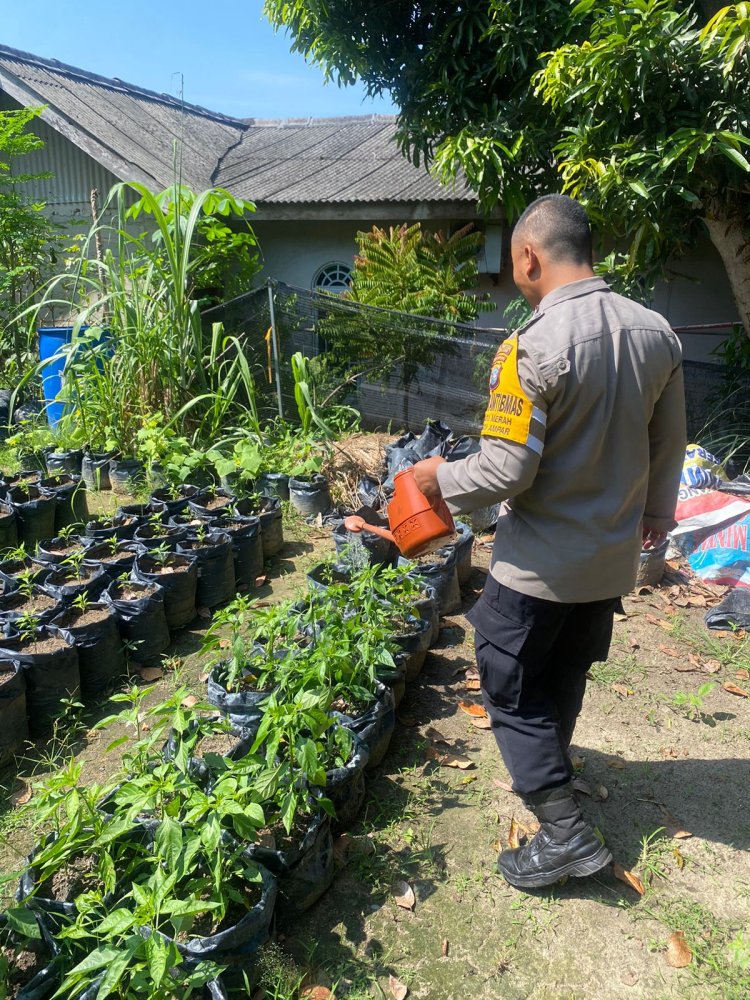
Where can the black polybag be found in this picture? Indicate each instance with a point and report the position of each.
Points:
(345, 786)
(95, 469)
(101, 655)
(50, 676)
(739, 487)
(66, 583)
(69, 492)
(216, 583)
(247, 546)
(243, 708)
(14, 606)
(35, 514)
(440, 573)
(8, 526)
(304, 871)
(14, 726)
(271, 525)
(363, 547)
(375, 725)
(732, 613)
(45, 982)
(463, 545)
(143, 624)
(179, 587)
(370, 492)
(309, 495)
(414, 645)
(60, 462)
(101, 555)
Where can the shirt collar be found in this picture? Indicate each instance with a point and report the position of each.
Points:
(573, 290)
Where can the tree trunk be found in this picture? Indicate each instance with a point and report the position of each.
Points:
(731, 237)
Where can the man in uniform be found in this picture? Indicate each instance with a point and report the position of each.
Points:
(584, 435)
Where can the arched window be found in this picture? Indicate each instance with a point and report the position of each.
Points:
(334, 277)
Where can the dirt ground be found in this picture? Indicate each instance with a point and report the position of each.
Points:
(663, 774)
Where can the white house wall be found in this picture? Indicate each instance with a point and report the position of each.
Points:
(294, 252)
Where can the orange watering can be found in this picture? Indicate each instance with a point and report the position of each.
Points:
(417, 526)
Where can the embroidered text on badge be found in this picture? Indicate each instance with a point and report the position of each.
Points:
(508, 413)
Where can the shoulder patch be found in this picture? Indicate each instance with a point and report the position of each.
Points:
(508, 413)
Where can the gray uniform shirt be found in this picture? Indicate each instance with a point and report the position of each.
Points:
(600, 457)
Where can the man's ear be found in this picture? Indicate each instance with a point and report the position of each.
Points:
(532, 266)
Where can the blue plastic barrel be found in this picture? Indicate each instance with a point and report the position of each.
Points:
(51, 340)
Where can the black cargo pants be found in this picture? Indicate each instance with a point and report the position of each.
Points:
(533, 656)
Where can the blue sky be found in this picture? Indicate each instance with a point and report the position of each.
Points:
(225, 51)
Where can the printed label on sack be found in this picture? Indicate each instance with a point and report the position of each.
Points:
(508, 413)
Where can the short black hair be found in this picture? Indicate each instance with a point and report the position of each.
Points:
(560, 225)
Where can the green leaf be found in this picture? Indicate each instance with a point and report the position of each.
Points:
(22, 921)
(735, 156)
(156, 956)
(116, 923)
(168, 841)
(639, 188)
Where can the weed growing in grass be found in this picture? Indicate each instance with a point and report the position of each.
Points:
(613, 670)
(279, 977)
(691, 703)
(655, 849)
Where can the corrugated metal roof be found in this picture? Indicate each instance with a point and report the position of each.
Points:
(134, 134)
(131, 131)
(329, 160)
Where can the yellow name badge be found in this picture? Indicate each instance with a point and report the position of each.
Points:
(508, 413)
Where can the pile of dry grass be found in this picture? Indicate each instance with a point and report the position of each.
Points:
(351, 458)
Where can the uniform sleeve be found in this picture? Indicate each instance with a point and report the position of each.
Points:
(510, 447)
(667, 438)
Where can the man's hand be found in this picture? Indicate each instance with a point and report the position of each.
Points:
(425, 476)
(652, 538)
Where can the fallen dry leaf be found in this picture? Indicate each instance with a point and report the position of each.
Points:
(22, 794)
(696, 601)
(458, 760)
(476, 711)
(742, 674)
(225, 643)
(261, 581)
(670, 651)
(622, 689)
(616, 764)
(203, 612)
(712, 666)
(629, 978)
(620, 616)
(445, 947)
(316, 993)
(403, 895)
(399, 990)
(472, 684)
(628, 878)
(189, 702)
(341, 849)
(685, 668)
(634, 644)
(203, 678)
(481, 723)
(652, 620)
(672, 825)
(502, 784)
(435, 736)
(677, 855)
(733, 689)
(514, 834)
(578, 762)
(582, 786)
(602, 793)
(151, 673)
(678, 954)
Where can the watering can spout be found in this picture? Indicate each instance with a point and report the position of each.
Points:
(417, 526)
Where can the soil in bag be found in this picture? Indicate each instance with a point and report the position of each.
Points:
(95, 469)
(345, 786)
(35, 514)
(8, 526)
(121, 526)
(101, 655)
(426, 608)
(310, 495)
(439, 571)
(413, 640)
(170, 500)
(53, 551)
(243, 707)
(268, 511)
(14, 571)
(29, 604)
(363, 548)
(243, 931)
(374, 723)
(247, 546)
(50, 667)
(161, 536)
(30, 975)
(14, 726)
(114, 557)
(302, 861)
(212, 502)
(140, 614)
(215, 557)
(177, 574)
(67, 583)
(325, 574)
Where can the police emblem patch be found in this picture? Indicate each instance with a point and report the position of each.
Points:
(494, 378)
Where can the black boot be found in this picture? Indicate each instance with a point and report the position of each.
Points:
(564, 845)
